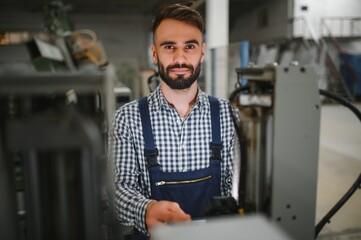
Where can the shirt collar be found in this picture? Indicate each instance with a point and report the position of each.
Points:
(157, 100)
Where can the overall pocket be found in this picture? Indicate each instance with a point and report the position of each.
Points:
(191, 194)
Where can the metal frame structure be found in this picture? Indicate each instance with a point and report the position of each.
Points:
(283, 135)
(62, 150)
(60, 157)
(44, 83)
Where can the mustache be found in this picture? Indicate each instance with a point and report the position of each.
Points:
(177, 65)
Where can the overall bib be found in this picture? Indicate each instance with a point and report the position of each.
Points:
(191, 190)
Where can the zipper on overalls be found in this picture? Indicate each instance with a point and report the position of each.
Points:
(183, 181)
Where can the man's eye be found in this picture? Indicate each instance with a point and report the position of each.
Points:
(191, 46)
(168, 47)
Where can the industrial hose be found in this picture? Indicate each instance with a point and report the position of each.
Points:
(243, 162)
(243, 151)
(341, 100)
(339, 204)
(357, 183)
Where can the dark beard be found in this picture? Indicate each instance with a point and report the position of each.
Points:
(179, 82)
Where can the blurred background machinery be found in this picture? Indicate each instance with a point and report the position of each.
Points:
(280, 127)
(54, 121)
(53, 132)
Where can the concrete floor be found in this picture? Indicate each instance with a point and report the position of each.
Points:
(339, 167)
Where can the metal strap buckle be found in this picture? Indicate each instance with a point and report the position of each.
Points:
(151, 156)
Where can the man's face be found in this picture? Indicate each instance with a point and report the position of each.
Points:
(178, 50)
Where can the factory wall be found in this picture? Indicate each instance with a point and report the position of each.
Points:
(271, 21)
(315, 10)
(126, 42)
(125, 37)
(266, 23)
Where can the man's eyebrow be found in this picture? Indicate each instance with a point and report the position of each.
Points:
(166, 43)
(192, 41)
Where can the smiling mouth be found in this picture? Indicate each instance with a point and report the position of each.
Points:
(179, 70)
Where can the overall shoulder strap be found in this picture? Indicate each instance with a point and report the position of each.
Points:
(150, 151)
(216, 144)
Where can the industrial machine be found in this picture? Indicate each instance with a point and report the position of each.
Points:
(53, 154)
(280, 115)
(54, 121)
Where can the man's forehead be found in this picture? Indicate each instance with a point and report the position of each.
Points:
(179, 31)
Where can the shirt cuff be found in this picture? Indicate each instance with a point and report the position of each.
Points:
(140, 223)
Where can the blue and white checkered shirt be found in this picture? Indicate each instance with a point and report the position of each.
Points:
(183, 145)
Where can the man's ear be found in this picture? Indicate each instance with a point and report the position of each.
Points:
(154, 54)
(203, 51)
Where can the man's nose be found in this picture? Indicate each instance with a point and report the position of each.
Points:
(179, 56)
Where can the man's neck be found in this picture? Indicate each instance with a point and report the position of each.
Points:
(182, 100)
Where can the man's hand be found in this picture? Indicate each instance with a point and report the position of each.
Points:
(164, 211)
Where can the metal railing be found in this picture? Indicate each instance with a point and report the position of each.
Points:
(305, 27)
(341, 26)
(337, 83)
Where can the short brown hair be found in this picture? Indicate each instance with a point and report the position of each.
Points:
(180, 12)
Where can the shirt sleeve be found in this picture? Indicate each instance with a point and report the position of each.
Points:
(228, 133)
(130, 203)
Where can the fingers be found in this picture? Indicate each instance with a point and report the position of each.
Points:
(176, 214)
(164, 211)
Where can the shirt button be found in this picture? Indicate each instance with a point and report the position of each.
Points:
(184, 170)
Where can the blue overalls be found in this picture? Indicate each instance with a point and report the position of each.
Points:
(191, 190)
